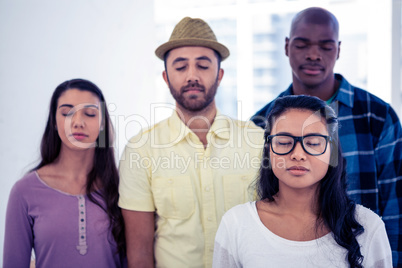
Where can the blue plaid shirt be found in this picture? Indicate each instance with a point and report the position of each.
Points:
(371, 140)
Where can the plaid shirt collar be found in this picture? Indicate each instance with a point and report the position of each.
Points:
(345, 93)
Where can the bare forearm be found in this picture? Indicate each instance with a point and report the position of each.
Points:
(140, 238)
(141, 259)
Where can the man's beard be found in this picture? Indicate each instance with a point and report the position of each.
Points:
(194, 103)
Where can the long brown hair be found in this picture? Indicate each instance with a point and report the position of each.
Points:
(104, 169)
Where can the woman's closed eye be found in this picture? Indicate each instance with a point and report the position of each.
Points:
(69, 112)
(91, 112)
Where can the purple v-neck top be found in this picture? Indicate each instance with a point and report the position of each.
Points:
(64, 230)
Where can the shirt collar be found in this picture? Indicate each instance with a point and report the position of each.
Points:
(345, 93)
(178, 130)
(221, 126)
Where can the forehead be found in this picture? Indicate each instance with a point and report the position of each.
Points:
(300, 122)
(75, 97)
(191, 53)
(314, 31)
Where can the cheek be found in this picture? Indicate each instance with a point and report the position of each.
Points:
(277, 163)
(175, 77)
(94, 125)
(332, 58)
(61, 126)
(325, 158)
(321, 164)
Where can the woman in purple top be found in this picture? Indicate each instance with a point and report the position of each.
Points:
(66, 209)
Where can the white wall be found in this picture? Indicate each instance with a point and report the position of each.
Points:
(46, 42)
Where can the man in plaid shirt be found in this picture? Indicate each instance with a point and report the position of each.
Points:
(370, 132)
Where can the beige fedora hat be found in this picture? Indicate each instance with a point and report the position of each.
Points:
(192, 32)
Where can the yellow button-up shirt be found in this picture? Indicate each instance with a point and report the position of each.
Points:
(166, 169)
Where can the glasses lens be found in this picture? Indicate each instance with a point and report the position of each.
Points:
(315, 145)
(282, 144)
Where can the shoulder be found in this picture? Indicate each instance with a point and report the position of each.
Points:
(364, 96)
(247, 125)
(374, 240)
(23, 188)
(26, 182)
(367, 105)
(375, 107)
(364, 99)
(146, 131)
(265, 110)
(260, 116)
(144, 138)
(239, 212)
(368, 218)
(246, 132)
(360, 97)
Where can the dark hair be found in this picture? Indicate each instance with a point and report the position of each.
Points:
(336, 209)
(104, 169)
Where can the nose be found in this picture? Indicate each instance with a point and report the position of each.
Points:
(298, 152)
(192, 74)
(78, 120)
(313, 53)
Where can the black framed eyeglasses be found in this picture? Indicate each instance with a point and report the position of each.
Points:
(313, 144)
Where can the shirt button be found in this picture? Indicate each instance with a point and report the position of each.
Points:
(244, 178)
(170, 181)
(209, 218)
(207, 189)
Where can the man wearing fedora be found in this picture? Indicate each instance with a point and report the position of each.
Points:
(179, 176)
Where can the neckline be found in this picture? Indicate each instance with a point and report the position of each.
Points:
(57, 190)
(330, 100)
(253, 207)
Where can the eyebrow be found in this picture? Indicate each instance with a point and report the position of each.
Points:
(180, 59)
(308, 40)
(308, 134)
(86, 106)
(204, 58)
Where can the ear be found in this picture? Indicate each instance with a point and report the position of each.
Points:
(339, 50)
(221, 72)
(287, 46)
(165, 77)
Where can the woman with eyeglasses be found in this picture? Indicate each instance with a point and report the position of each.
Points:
(303, 216)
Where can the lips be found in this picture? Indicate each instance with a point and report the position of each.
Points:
(193, 90)
(312, 69)
(79, 136)
(298, 170)
(193, 87)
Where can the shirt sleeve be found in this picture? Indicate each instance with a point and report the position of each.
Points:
(223, 254)
(18, 239)
(379, 251)
(389, 169)
(135, 180)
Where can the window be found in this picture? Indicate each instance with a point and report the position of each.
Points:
(255, 30)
